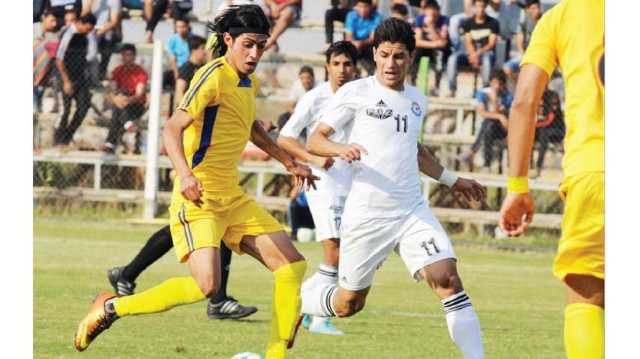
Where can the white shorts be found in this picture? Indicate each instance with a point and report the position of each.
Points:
(326, 210)
(418, 238)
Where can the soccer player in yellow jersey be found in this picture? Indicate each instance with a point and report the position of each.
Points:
(204, 140)
(570, 35)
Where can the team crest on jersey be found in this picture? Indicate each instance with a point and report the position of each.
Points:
(415, 108)
(381, 111)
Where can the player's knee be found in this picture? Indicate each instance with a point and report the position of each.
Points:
(448, 280)
(209, 286)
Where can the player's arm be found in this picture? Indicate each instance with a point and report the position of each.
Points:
(190, 186)
(300, 172)
(320, 144)
(430, 166)
(297, 150)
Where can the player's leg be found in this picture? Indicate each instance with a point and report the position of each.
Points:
(277, 253)
(253, 230)
(123, 278)
(221, 305)
(580, 264)
(428, 254)
(196, 236)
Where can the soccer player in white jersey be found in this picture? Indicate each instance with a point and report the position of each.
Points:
(385, 209)
(327, 201)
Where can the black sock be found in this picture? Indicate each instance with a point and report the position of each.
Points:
(225, 264)
(157, 246)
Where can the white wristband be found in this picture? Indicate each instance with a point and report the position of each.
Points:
(448, 178)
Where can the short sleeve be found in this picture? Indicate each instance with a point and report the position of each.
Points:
(171, 46)
(341, 109)
(419, 21)
(542, 50)
(481, 98)
(349, 25)
(301, 117)
(202, 94)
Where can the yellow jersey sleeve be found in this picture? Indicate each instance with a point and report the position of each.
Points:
(203, 92)
(543, 47)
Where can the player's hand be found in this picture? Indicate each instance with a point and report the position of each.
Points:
(516, 213)
(352, 152)
(322, 162)
(470, 189)
(67, 88)
(302, 175)
(191, 189)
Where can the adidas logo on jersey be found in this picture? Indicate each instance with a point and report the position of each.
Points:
(380, 111)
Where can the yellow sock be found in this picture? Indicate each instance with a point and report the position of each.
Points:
(168, 294)
(584, 331)
(285, 308)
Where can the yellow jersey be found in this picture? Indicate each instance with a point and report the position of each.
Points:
(571, 35)
(223, 108)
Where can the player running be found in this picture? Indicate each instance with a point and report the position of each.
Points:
(204, 139)
(326, 203)
(385, 209)
(570, 35)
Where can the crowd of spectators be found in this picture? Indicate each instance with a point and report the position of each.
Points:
(487, 38)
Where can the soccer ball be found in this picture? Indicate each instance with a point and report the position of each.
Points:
(247, 355)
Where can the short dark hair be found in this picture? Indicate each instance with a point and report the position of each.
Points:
(308, 69)
(128, 47)
(181, 18)
(195, 42)
(88, 19)
(400, 9)
(486, 2)
(499, 75)
(432, 5)
(528, 3)
(368, 2)
(395, 30)
(48, 12)
(342, 48)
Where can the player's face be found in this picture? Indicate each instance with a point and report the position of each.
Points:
(246, 51)
(306, 80)
(84, 28)
(392, 62)
(340, 69)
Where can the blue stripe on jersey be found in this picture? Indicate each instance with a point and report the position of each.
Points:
(244, 82)
(206, 135)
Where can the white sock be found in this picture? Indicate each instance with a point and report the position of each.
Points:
(326, 274)
(318, 300)
(464, 327)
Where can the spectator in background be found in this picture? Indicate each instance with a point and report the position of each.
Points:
(60, 8)
(71, 62)
(338, 12)
(44, 53)
(507, 13)
(523, 35)
(456, 33)
(129, 89)
(154, 10)
(401, 12)
(480, 36)
(178, 48)
(359, 27)
(432, 41)
(493, 104)
(305, 82)
(197, 58)
(283, 13)
(550, 127)
(108, 32)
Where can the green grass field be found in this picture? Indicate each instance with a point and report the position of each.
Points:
(517, 299)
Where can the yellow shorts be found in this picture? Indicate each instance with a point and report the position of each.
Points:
(581, 248)
(227, 218)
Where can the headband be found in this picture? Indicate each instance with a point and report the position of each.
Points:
(234, 31)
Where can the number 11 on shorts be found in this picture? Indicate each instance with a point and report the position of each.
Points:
(431, 242)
